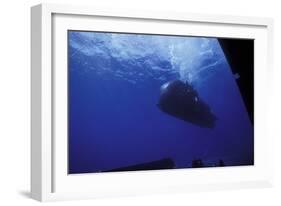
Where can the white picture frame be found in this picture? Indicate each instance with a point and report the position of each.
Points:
(49, 178)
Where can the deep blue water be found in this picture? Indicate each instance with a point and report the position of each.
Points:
(114, 82)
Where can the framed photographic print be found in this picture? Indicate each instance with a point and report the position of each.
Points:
(133, 102)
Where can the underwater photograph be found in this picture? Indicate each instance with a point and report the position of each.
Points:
(151, 102)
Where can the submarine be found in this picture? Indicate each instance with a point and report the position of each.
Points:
(240, 56)
(179, 99)
(165, 163)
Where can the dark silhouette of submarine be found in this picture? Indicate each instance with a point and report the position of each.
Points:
(240, 56)
(166, 163)
(181, 100)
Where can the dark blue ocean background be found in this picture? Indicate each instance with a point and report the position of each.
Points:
(114, 121)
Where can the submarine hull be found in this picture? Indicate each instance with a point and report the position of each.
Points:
(180, 100)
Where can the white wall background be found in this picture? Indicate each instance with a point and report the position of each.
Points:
(15, 103)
